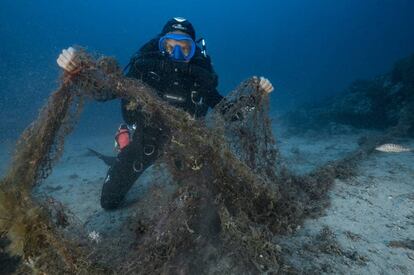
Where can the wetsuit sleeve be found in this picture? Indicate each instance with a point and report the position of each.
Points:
(209, 79)
(135, 71)
(130, 116)
(145, 52)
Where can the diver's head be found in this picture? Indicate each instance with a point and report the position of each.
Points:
(179, 24)
(177, 40)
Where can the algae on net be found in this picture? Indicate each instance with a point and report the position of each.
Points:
(210, 177)
(233, 194)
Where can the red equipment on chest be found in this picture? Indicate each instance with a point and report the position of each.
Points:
(122, 137)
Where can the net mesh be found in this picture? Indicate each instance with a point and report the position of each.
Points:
(232, 193)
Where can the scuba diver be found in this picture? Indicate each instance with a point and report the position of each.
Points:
(181, 71)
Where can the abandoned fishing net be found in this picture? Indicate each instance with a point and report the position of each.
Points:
(230, 196)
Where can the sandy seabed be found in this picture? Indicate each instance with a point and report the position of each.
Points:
(368, 229)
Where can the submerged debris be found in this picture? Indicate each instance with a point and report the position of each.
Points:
(233, 196)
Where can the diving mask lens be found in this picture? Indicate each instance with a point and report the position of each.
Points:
(179, 47)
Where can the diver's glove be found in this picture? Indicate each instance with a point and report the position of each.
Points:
(229, 110)
(67, 60)
(265, 84)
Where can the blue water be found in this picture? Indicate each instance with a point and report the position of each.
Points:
(308, 49)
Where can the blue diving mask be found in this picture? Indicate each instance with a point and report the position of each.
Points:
(179, 47)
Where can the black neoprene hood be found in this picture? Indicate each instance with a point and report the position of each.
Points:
(179, 24)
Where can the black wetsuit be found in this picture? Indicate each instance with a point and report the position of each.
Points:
(191, 86)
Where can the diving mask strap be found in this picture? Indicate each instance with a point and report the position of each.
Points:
(203, 46)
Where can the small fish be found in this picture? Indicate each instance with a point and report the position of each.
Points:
(393, 148)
